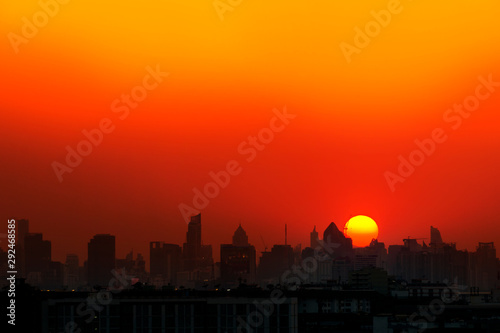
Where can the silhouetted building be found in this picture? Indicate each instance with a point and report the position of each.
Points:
(165, 262)
(53, 276)
(22, 229)
(237, 263)
(133, 267)
(314, 239)
(146, 311)
(341, 245)
(192, 247)
(444, 262)
(437, 263)
(374, 255)
(273, 264)
(195, 255)
(436, 240)
(341, 266)
(240, 237)
(483, 267)
(369, 278)
(101, 259)
(72, 271)
(37, 256)
(393, 263)
(206, 258)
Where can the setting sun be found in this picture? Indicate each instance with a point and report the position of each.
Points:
(361, 229)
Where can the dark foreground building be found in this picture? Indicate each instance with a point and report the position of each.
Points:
(246, 309)
(101, 259)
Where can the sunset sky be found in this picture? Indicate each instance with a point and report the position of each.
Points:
(229, 74)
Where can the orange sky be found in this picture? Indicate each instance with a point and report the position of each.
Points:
(354, 116)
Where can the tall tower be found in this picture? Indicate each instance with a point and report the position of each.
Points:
(335, 238)
(22, 229)
(238, 260)
(436, 239)
(101, 259)
(192, 247)
(164, 261)
(240, 237)
(314, 238)
(38, 253)
(193, 235)
(71, 271)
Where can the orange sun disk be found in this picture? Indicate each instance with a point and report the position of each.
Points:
(361, 229)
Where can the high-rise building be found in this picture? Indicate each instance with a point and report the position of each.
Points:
(132, 267)
(240, 237)
(38, 252)
(72, 271)
(374, 255)
(314, 239)
(195, 255)
(164, 262)
(192, 247)
(273, 264)
(334, 239)
(53, 277)
(483, 267)
(436, 240)
(22, 229)
(237, 261)
(101, 259)
(37, 258)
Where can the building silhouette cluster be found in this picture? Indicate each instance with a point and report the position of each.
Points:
(336, 262)
(326, 285)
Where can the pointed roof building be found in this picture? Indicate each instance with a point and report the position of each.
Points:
(314, 240)
(334, 238)
(332, 234)
(240, 237)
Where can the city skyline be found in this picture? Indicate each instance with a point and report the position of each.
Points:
(259, 238)
(326, 277)
(184, 250)
(186, 164)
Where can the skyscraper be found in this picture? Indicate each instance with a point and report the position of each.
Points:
(192, 247)
(240, 237)
(196, 255)
(273, 264)
(238, 259)
(165, 262)
(341, 245)
(436, 240)
(314, 239)
(101, 259)
(22, 229)
(483, 267)
(38, 253)
(71, 271)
